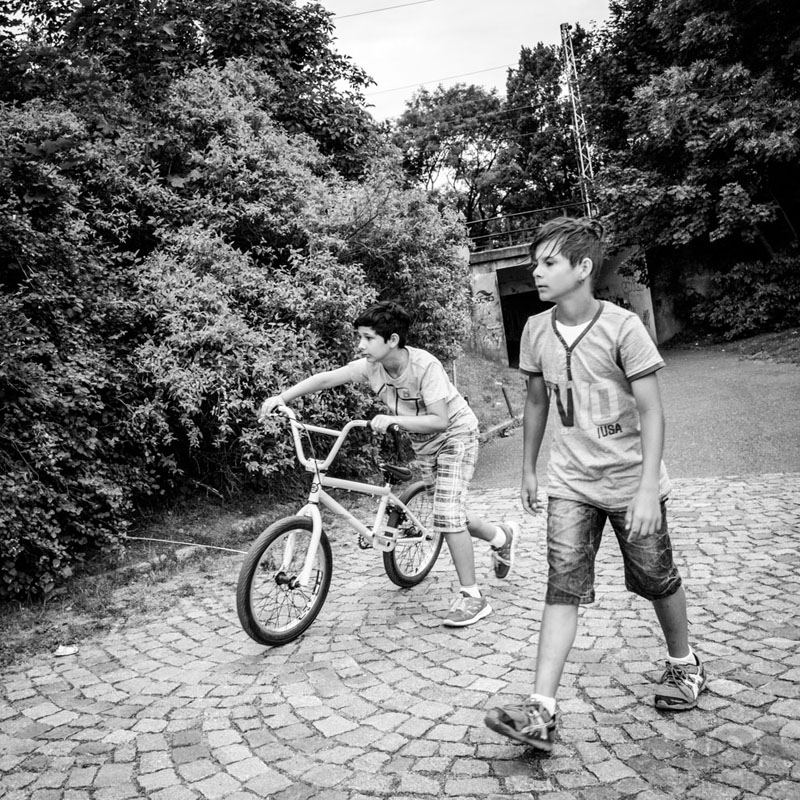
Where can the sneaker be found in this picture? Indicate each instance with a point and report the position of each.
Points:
(466, 610)
(680, 686)
(530, 723)
(503, 557)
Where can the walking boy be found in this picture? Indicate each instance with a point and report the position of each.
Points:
(443, 430)
(595, 364)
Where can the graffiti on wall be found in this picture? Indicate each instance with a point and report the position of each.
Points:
(488, 332)
(623, 287)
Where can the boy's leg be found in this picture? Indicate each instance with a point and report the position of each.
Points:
(574, 532)
(650, 572)
(470, 606)
(455, 463)
(479, 528)
(460, 547)
(684, 676)
(671, 613)
(502, 537)
(556, 637)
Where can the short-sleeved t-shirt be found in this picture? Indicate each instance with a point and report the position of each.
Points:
(423, 383)
(596, 451)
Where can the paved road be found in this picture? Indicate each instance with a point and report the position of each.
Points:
(379, 701)
(725, 416)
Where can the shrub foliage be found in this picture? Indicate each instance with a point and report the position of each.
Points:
(752, 298)
(170, 258)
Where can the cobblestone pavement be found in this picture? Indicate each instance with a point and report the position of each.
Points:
(378, 701)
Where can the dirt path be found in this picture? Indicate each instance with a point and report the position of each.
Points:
(725, 416)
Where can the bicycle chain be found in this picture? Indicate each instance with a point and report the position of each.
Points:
(363, 542)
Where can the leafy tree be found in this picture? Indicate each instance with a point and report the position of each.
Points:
(454, 142)
(489, 156)
(408, 249)
(132, 49)
(539, 120)
(698, 116)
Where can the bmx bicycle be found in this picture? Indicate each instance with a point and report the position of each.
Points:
(286, 574)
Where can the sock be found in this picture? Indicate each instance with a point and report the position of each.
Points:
(499, 538)
(472, 591)
(690, 659)
(549, 703)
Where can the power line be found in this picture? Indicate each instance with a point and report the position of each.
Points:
(438, 80)
(461, 107)
(386, 8)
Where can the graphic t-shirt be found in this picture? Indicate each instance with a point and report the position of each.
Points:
(596, 452)
(423, 383)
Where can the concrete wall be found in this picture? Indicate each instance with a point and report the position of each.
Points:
(618, 287)
(488, 330)
(495, 274)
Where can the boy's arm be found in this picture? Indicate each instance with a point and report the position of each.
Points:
(534, 422)
(435, 421)
(644, 513)
(310, 385)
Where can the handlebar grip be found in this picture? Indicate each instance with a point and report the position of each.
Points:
(396, 432)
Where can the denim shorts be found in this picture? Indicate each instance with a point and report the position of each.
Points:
(574, 533)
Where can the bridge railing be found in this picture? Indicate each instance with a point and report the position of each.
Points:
(507, 230)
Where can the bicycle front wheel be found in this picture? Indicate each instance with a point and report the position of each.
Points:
(273, 607)
(416, 549)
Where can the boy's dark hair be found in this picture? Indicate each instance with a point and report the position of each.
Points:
(576, 238)
(385, 318)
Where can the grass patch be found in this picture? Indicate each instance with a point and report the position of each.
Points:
(781, 346)
(778, 346)
(483, 383)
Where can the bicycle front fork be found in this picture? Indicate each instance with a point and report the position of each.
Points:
(304, 578)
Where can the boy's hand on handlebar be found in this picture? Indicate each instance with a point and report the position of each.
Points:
(380, 423)
(270, 404)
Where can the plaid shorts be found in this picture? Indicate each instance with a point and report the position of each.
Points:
(446, 462)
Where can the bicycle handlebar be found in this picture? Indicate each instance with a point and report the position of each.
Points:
(339, 437)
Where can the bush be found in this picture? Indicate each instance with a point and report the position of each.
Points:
(223, 335)
(754, 297)
(63, 467)
(163, 273)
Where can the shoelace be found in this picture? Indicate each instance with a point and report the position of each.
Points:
(676, 673)
(461, 602)
(536, 723)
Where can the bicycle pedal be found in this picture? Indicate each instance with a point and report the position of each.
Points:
(364, 544)
(384, 542)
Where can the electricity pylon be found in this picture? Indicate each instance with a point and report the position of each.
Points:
(586, 173)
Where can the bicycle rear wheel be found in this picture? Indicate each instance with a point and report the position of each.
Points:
(274, 609)
(415, 550)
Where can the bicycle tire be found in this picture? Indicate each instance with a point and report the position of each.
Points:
(273, 609)
(409, 564)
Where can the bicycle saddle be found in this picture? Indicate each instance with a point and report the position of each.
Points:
(395, 473)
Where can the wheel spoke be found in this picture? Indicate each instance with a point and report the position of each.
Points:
(411, 561)
(273, 608)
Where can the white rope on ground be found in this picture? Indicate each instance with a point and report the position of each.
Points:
(188, 544)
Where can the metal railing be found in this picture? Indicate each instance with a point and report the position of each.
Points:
(508, 230)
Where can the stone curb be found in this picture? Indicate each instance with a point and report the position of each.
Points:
(501, 428)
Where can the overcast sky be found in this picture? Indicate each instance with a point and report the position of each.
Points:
(447, 41)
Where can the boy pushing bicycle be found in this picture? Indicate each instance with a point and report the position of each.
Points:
(443, 430)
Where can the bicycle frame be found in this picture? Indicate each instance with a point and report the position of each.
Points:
(381, 535)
